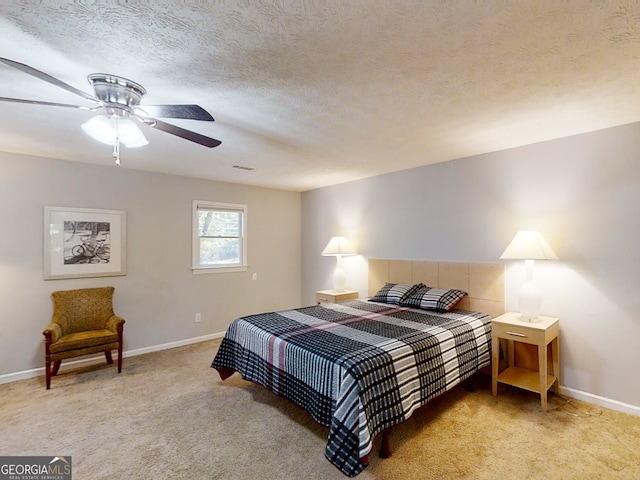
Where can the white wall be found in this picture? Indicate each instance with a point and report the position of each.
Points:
(159, 296)
(581, 192)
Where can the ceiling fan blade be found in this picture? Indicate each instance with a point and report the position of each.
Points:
(48, 78)
(182, 132)
(188, 112)
(47, 104)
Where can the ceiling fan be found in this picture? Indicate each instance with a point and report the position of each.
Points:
(118, 101)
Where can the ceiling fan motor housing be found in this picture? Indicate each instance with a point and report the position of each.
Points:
(116, 92)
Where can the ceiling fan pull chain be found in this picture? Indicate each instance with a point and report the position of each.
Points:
(116, 151)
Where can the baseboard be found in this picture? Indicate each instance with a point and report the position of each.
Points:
(36, 372)
(600, 401)
(569, 392)
(166, 346)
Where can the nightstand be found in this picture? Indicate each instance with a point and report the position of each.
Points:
(540, 332)
(335, 296)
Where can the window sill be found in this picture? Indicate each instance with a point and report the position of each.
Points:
(207, 270)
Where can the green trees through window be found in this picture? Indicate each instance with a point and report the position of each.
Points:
(219, 235)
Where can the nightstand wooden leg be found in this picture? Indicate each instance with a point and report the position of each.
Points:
(511, 353)
(542, 365)
(555, 355)
(495, 360)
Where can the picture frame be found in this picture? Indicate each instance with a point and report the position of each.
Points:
(84, 242)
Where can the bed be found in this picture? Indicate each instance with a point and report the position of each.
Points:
(363, 366)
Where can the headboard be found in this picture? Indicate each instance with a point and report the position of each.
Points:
(484, 282)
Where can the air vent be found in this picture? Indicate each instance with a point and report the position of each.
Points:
(240, 167)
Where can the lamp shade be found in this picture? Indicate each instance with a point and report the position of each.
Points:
(528, 245)
(338, 246)
(100, 128)
(108, 130)
(130, 134)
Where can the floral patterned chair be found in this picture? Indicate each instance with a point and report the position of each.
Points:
(83, 323)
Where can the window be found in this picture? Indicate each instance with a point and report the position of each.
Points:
(219, 237)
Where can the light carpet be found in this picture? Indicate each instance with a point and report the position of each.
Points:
(168, 416)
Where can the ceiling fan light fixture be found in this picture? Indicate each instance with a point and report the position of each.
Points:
(130, 134)
(100, 128)
(108, 130)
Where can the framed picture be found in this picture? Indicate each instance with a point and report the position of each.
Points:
(84, 242)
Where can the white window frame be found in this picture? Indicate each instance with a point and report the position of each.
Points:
(196, 267)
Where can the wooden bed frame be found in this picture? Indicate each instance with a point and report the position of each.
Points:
(484, 283)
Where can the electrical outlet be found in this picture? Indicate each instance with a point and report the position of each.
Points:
(254, 276)
(198, 317)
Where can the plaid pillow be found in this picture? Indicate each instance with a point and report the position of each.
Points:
(415, 298)
(395, 293)
(428, 298)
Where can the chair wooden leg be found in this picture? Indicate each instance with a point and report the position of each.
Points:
(47, 357)
(120, 335)
(108, 356)
(51, 369)
(47, 368)
(120, 358)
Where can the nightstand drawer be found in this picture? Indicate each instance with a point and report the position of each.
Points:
(519, 333)
(537, 332)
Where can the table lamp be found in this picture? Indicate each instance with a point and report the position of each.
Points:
(337, 247)
(529, 246)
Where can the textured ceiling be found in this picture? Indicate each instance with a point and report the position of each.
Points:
(311, 93)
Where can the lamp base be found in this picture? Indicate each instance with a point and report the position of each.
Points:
(339, 280)
(529, 301)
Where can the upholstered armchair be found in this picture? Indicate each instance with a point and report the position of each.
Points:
(83, 323)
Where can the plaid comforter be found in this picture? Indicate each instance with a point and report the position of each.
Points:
(358, 367)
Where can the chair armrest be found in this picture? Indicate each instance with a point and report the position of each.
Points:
(54, 330)
(113, 322)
